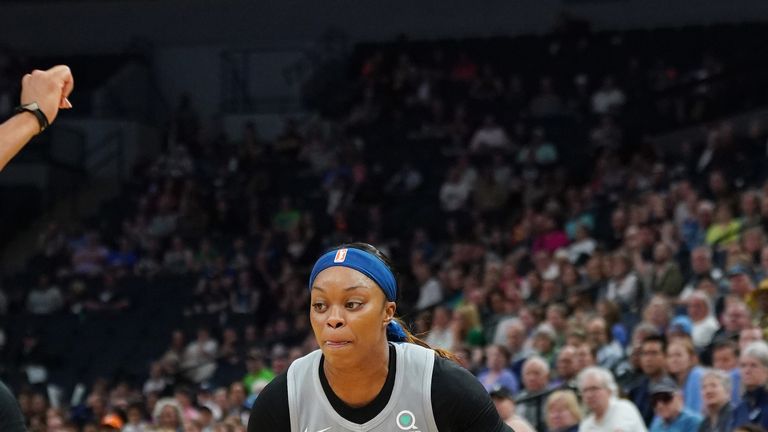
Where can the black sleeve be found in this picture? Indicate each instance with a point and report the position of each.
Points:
(11, 419)
(459, 401)
(270, 410)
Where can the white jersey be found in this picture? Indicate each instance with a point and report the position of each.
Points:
(409, 407)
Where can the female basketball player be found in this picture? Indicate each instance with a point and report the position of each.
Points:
(370, 374)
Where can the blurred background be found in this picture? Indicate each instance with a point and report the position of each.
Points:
(554, 179)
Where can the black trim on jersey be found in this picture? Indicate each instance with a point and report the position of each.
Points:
(365, 413)
(459, 402)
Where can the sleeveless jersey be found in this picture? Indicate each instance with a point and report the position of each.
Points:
(409, 407)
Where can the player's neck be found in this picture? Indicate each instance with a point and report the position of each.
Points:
(346, 377)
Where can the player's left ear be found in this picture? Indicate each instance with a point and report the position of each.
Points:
(389, 311)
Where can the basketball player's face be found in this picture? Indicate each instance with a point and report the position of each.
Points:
(349, 313)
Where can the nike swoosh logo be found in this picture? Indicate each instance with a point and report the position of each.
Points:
(324, 430)
(328, 428)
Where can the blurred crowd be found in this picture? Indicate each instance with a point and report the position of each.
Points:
(538, 236)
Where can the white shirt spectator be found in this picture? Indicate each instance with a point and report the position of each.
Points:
(44, 300)
(703, 331)
(607, 99)
(582, 247)
(489, 137)
(453, 195)
(621, 416)
(430, 294)
(624, 291)
(199, 360)
(440, 338)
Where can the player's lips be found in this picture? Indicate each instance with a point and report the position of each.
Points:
(337, 343)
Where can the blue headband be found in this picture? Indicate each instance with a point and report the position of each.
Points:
(369, 265)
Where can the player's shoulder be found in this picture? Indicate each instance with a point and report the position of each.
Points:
(270, 409)
(449, 369)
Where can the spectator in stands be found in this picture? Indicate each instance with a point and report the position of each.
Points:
(157, 382)
(544, 342)
(454, 192)
(167, 415)
(199, 358)
(623, 287)
(701, 268)
(748, 335)
(725, 230)
(653, 367)
(505, 406)
(682, 366)
(566, 367)
(466, 326)
(658, 312)
(124, 258)
(488, 196)
(490, 136)
(89, 257)
(515, 343)
(44, 298)
(735, 319)
(430, 290)
(497, 375)
(725, 358)
(704, 324)
(606, 411)
(440, 334)
(531, 401)
(754, 375)
(178, 259)
(671, 414)
(110, 299)
(563, 412)
(718, 408)
(740, 279)
(586, 355)
(609, 351)
(666, 277)
(546, 103)
(609, 98)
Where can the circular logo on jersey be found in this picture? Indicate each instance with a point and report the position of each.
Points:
(406, 420)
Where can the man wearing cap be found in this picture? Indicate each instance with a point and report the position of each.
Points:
(740, 279)
(671, 416)
(681, 325)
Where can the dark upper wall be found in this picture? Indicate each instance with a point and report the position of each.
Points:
(109, 26)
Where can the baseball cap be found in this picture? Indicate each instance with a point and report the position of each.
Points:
(683, 324)
(738, 269)
(501, 392)
(665, 386)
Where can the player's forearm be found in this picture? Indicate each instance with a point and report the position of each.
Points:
(14, 134)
